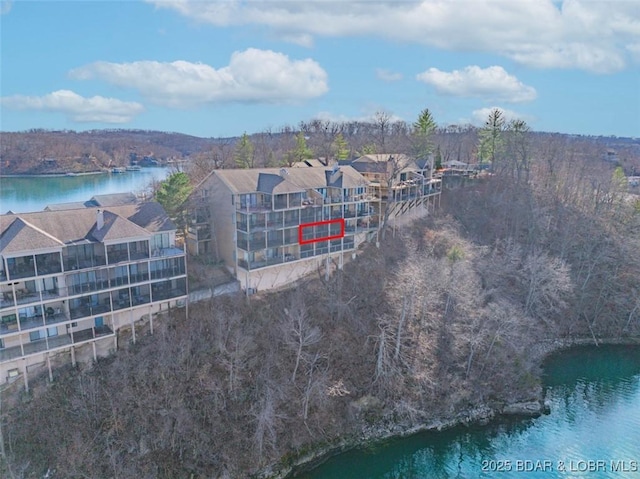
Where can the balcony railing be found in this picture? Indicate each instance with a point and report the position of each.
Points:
(25, 296)
(49, 268)
(166, 273)
(88, 287)
(55, 342)
(138, 278)
(162, 294)
(162, 252)
(267, 262)
(21, 271)
(118, 257)
(141, 299)
(90, 310)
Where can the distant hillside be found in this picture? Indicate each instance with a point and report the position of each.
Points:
(43, 151)
(47, 152)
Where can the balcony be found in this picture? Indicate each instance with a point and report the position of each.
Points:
(289, 222)
(88, 310)
(138, 278)
(55, 342)
(139, 255)
(49, 268)
(88, 287)
(7, 300)
(118, 257)
(164, 252)
(22, 270)
(160, 294)
(26, 296)
(73, 264)
(118, 281)
(141, 299)
(167, 272)
(257, 244)
(252, 265)
(274, 242)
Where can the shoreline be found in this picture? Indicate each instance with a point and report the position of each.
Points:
(535, 407)
(54, 175)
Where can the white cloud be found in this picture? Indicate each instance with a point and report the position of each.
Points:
(492, 83)
(479, 117)
(581, 34)
(77, 108)
(251, 76)
(387, 75)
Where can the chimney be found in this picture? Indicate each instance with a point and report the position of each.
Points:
(99, 220)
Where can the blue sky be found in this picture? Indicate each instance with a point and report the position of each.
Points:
(220, 68)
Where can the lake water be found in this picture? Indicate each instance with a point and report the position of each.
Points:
(23, 194)
(593, 431)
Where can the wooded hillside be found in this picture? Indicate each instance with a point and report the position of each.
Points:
(44, 151)
(446, 316)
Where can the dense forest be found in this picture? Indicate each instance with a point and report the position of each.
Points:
(451, 314)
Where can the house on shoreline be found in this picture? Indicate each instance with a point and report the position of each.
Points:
(73, 275)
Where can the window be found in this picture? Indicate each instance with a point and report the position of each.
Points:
(117, 253)
(37, 335)
(160, 241)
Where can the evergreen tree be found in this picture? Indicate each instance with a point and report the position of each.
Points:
(341, 147)
(423, 130)
(245, 152)
(300, 152)
(491, 140)
(172, 195)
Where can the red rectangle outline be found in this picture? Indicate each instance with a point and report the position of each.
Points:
(320, 223)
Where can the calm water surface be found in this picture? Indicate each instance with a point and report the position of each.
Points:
(593, 431)
(25, 194)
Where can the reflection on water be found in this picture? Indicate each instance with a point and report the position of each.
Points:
(593, 431)
(35, 193)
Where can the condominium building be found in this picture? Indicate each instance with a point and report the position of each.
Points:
(272, 226)
(73, 275)
(405, 185)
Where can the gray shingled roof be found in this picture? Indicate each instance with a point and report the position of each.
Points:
(73, 205)
(380, 163)
(44, 229)
(115, 199)
(116, 227)
(295, 179)
(267, 182)
(21, 235)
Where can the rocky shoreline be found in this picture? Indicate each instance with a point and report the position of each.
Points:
(532, 408)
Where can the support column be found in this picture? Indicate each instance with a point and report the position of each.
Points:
(133, 327)
(326, 267)
(49, 367)
(95, 354)
(151, 319)
(73, 356)
(26, 379)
